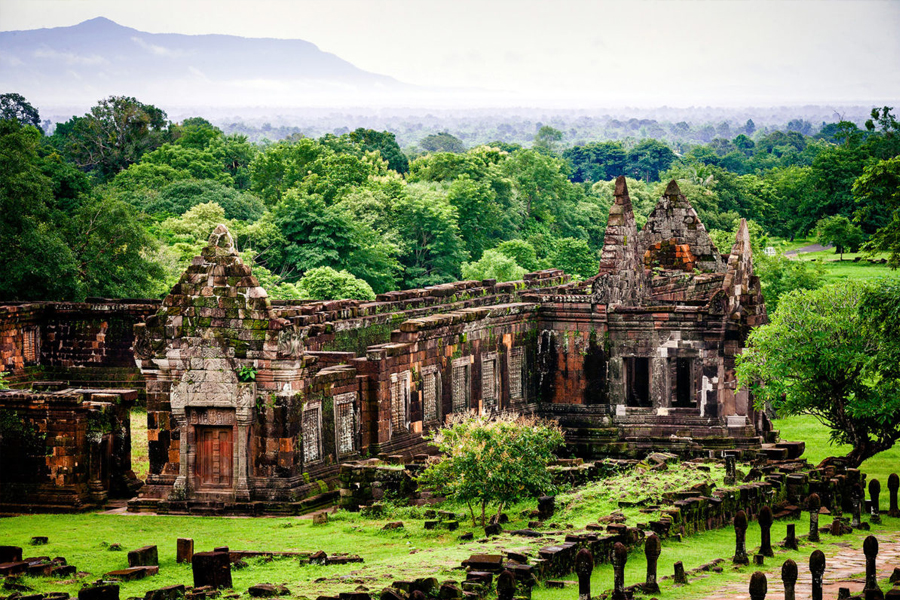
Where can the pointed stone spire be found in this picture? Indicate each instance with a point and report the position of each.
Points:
(745, 301)
(672, 189)
(675, 238)
(621, 275)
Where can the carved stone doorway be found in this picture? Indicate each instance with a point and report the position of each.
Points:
(215, 457)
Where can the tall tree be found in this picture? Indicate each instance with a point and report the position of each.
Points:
(385, 143)
(35, 261)
(15, 107)
(116, 133)
(832, 353)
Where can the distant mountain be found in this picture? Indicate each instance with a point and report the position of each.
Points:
(98, 58)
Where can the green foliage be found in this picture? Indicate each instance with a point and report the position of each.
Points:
(36, 261)
(442, 142)
(317, 235)
(597, 161)
(878, 189)
(431, 248)
(838, 230)
(493, 265)
(16, 108)
(575, 258)
(116, 133)
(4, 383)
(492, 461)
(520, 251)
(324, 283)
(548, 140)
(282, 166)
(177, 197)
(246, 374)
(648, 158)
(385, 143)
(779, 275)
(827, 353)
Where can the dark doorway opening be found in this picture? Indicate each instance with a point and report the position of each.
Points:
(637, 381)
(684, 383)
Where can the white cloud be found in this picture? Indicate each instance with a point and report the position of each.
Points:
(70, 58)
(157, 50)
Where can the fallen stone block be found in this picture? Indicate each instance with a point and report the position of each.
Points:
(10, 554)
(99, 592)
(172, 592)
(13, 568)
(267, 590)
(39, 540)
(131, 573)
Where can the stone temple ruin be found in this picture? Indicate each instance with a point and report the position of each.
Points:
(253, 404)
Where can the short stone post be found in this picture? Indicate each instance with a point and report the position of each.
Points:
(837, 508)
(765, 526)
(546, 507)
(652, 550)
(759, 586)
(893, 485)
(790, 540)
(212, 569)
(874, 492)
(506, 586)
(814, 504)
(584, 566)
(817, 569)
(870, 549)
(857, 499)
(740, 539)
(789, 578)
(185, 550)
(620, 557)
(680, 577)
(730, 469)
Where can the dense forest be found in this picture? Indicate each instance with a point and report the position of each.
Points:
(116, 202)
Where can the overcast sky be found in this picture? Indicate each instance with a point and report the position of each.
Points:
(675, 53)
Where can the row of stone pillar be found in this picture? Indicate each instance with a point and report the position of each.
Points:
(759, 584)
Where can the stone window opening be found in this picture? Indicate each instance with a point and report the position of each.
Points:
(312, 434)
(431, 393)
(30, 346)
(461, 387)
(685, 395)
(489, 387)
(516, 374)
(345, 422)
(399, 403)
(637, 381)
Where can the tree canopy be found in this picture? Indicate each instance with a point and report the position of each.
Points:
(832, 353)
(492, 461)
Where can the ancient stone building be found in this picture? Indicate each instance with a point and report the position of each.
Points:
(252, 403)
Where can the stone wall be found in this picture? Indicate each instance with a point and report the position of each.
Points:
(84, 344)
(64, 450)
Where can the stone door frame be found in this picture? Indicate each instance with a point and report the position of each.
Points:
(184, 407)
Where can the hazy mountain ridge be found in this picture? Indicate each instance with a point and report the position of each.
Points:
(97, 58)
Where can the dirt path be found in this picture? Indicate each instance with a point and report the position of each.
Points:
(806, 249)
(844, 569)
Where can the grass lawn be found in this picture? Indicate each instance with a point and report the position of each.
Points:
(413, 552)
(140, 454)
(818, 447)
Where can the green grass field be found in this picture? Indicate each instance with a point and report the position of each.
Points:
(140, 452)
(819, 447)
(412, 551)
